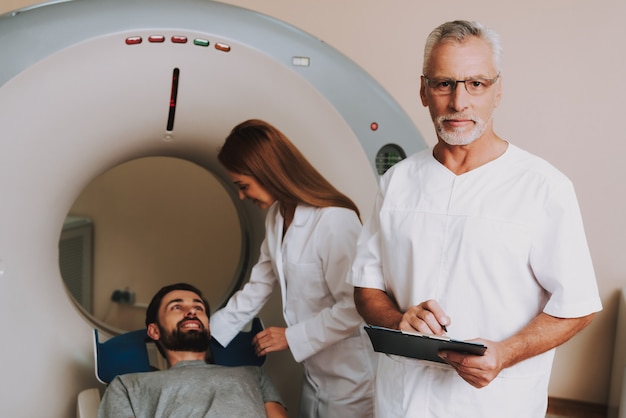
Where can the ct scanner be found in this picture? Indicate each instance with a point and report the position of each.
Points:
(88, 84)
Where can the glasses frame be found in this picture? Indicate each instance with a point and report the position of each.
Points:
(454, 84)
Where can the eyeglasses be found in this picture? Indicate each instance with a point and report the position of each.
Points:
(474, 86)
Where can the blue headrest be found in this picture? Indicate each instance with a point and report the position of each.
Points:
(240, 351)
(125, 353)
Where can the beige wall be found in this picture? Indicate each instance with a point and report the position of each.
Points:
(563, 100)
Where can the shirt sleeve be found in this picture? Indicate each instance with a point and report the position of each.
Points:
(244, 305)
(335, 239)
(115, 401)
(560, 257)
(367, 269)
(269, 392)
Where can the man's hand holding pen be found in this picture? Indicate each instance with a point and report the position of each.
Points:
(427, 317)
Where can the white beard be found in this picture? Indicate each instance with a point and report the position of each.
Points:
(457, 136)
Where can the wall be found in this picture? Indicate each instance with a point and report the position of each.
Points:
(562, 100)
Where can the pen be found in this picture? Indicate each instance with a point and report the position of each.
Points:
(444, 328)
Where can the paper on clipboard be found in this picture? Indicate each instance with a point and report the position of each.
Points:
(418, 345)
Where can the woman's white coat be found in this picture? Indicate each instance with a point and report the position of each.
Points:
(324, 331)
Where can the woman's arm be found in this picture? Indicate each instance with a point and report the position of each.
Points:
(246, 303)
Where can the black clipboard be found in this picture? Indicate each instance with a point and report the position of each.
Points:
(418, 345)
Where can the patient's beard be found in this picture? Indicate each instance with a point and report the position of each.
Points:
(194, 341)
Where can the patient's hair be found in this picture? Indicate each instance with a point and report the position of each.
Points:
(152, 313)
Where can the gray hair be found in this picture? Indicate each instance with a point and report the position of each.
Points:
(458, 31)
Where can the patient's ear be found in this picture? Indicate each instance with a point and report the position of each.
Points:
(154, 332)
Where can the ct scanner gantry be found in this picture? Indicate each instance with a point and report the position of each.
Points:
(88, 84)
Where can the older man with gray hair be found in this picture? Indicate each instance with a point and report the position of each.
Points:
(477, 236)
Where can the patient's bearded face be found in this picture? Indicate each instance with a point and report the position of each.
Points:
(183, 322)
(182, 339)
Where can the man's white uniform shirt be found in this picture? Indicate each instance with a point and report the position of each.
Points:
(495, 247)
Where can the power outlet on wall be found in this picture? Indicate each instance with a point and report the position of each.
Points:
(126, 296)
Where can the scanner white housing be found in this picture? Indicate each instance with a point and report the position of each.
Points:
(79, 95)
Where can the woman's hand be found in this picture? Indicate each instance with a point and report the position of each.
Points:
(269, 340)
